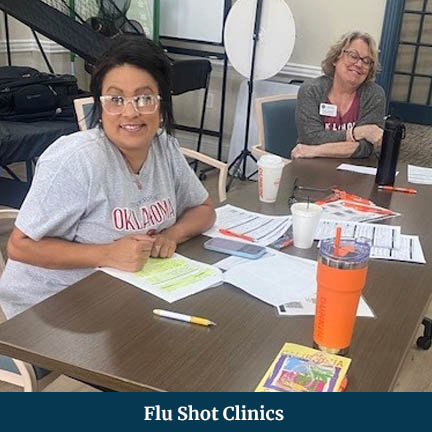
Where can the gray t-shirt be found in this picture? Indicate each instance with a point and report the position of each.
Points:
(84, 192)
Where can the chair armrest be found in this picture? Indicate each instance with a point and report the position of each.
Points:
(221, 166)
(257, 150)
(8, 213)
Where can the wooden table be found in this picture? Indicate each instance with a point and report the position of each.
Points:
(102, 330)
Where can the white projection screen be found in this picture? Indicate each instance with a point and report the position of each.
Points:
(200, 20)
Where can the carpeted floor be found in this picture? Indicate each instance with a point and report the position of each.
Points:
(416, 148)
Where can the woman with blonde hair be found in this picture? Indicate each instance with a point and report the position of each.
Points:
(341, 113)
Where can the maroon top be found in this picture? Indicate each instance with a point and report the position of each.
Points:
(346, 121)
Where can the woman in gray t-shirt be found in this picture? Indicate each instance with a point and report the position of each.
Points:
(111, 196)
(341, 114)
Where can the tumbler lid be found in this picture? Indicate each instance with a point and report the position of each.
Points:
(351, 250)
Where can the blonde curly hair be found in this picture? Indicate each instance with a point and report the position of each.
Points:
(336, 51)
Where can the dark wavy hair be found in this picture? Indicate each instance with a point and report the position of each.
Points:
(138, 51)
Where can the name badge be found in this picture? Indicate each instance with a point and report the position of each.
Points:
(328, 110)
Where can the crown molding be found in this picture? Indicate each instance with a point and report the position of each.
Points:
(301, 70)
(290, 69)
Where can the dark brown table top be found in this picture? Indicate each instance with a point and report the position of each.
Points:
(102, 330)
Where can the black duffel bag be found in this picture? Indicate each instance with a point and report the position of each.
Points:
(29, 95)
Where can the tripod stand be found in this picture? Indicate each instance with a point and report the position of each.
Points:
(239, 163)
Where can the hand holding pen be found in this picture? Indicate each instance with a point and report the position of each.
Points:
(129, 253)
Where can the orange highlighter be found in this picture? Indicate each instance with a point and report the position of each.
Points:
(398, 189)
(234, 234)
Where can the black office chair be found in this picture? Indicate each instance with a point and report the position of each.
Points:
(191, 75)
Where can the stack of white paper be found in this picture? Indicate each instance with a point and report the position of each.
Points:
(357, 169)
(385, 236)
(386, 241)
(346, 211)
(261, 228)
(419, 175)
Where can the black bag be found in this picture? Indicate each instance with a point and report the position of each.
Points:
(29, 95)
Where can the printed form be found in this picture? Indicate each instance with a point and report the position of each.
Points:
(384, 236)
(262, 228)
(171, 279)
(409, 251)
(348, 211)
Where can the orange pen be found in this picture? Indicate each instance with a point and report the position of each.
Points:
(367, 208)
(398, 189)
(345, 196)
(234, 234)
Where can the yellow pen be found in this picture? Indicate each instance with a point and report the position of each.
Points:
(183, 317)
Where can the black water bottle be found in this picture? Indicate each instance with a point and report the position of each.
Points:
(394, 133)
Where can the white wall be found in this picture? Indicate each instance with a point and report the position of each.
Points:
(320, 23)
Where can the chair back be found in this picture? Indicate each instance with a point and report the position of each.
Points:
(277, 132)
(83, 109)
(6, 213)
(13, 371)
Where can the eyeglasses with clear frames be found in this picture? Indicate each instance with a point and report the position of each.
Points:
(353, 56)
(143, 104)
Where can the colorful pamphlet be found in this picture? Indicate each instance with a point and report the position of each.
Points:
(297, 368)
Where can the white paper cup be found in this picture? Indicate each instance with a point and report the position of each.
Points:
(305, 219)
(269, 174)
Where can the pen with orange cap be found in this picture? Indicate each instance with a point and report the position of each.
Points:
(398, 189)
(367, 208)
(182, 317)
(230, 233)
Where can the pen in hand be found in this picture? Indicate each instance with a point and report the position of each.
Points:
(183, 317)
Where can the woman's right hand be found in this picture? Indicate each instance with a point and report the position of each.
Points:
(130, 253)
(369, 132)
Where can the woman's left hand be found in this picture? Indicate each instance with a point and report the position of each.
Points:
(303, 151)
(163, 247)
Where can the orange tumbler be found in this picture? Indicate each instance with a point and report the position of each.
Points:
(341, 276)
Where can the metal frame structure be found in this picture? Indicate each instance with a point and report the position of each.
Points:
(210, 50)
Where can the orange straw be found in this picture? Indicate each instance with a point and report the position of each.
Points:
(337, 241)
